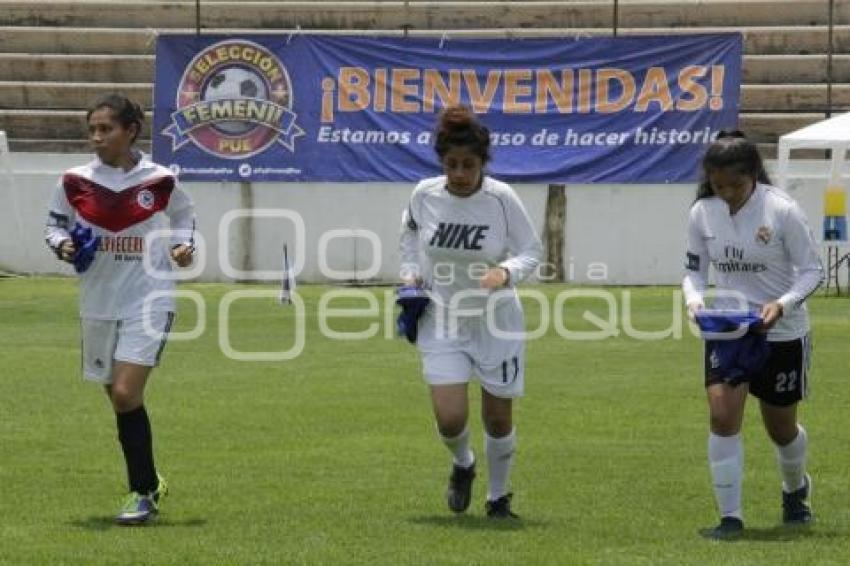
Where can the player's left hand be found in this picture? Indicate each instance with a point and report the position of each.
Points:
(182, 255)
(693, 308)
(770, 313)
(495, 278)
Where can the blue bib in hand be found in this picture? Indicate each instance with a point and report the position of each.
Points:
(413, 301)
(85, 244)
(720, 321)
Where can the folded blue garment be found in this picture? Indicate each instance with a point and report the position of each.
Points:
(717, 321)
(413, 301)
(733, 357)
(85, 244)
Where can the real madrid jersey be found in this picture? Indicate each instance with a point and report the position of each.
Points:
(452, 241)
(765, 251)
(123, 208)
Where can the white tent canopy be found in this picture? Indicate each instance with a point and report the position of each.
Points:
(833, 133)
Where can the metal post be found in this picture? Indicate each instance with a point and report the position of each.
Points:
(553, 233)
(829, 52)
(246, 233)
(406, 27)
(197, 17)
(356, 280)
(616, 18)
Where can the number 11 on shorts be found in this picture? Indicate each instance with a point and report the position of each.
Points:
(515, 361)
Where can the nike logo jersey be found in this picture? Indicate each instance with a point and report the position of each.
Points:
(452, 241)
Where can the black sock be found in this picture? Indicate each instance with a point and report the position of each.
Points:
(134, 432)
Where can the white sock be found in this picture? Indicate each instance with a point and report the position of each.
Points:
(726, 460)
(500, 456)
(792, 461)
(459, 447)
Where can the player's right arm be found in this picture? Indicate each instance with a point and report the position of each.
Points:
(411, 270)
(60, 218)
(696, 264)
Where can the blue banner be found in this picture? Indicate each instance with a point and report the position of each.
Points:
(352, 109)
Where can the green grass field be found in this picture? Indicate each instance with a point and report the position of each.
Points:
(332, 457)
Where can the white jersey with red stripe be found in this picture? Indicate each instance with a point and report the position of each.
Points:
(123, 208)
(765, 251)
(451, 241)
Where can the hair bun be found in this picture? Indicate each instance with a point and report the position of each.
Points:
(457, 118)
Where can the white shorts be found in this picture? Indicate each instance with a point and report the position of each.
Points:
(105, 341)
(494, 352)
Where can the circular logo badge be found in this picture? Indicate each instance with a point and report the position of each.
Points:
(145, 199)
(234, 101)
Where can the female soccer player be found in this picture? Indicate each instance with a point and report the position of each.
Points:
(762, 249)
(109, 206)
(468, 239)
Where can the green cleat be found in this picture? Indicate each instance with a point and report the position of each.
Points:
(138, 509)
(160, 491)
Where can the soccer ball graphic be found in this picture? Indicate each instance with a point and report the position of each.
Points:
(235, 83)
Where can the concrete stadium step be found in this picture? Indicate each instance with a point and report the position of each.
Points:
(797, 69)
(793, 97)
(60, 95)
(60, 40)
(767, 127)
(758, 69)
(51, 124)
(77, 68)
(420, 14)
(70, 124)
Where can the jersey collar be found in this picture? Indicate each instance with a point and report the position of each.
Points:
(480, 188)
(143, 162)
(755, 198)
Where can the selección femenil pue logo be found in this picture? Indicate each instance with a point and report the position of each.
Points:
(234, 101)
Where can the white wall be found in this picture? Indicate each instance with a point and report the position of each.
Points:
(616, 234)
